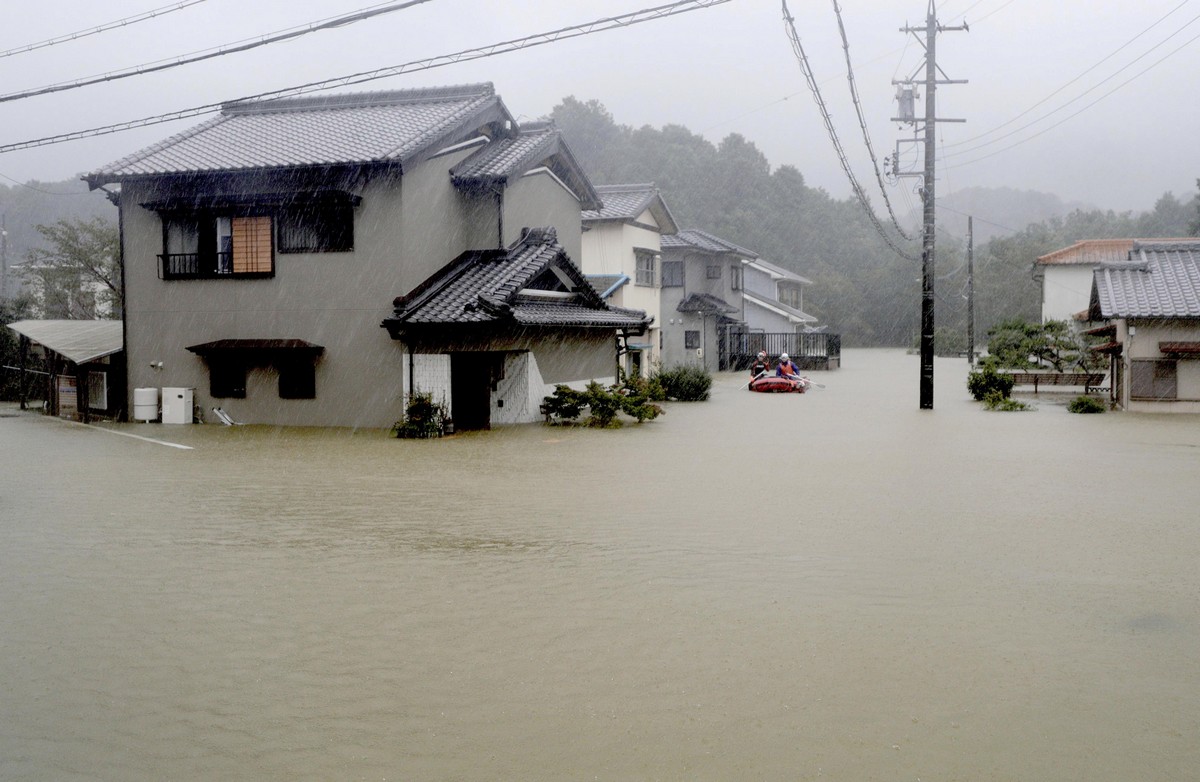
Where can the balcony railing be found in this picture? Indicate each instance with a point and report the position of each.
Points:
(203, 266)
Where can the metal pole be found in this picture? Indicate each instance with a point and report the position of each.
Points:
(927, 196)
(970, 292)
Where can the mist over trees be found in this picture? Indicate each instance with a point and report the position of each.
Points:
(862, 288)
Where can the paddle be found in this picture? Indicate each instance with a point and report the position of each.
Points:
(756, 377)
(805, 381)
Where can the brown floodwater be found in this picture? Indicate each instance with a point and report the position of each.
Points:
(835, 585)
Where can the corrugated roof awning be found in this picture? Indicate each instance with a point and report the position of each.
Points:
(257, 346)
(78, 341)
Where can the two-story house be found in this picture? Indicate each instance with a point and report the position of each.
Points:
(1151, 302)
(774, 298)
(265, 251)
(701, 297)
(622, 253)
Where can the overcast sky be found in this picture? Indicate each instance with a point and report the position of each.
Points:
(720, 70)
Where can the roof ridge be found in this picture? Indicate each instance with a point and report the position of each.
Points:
(357, 100)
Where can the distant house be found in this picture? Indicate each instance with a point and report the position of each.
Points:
(774, 298)
(264, 249)
(1150, 301)
(701, 297)
(1066, 275)
(622, 255)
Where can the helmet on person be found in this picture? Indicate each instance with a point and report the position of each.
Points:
(783, 357)
(762, 354)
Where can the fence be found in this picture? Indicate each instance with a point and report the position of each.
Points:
(810, 351)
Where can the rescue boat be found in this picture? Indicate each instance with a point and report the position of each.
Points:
(771, 384)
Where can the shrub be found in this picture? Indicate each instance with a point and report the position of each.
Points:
(994, 400)
(988, 380)
(423, 418)
(565, 405)
(686, 383)
(1085, 404)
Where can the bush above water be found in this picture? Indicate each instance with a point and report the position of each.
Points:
(685, 383)
(1086, 404)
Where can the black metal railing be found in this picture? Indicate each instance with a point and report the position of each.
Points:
(202, 266)
(810, 351)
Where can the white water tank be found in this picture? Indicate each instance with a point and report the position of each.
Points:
(145, 404)
(177, 405)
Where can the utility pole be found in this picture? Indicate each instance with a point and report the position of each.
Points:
(3, 257)
(931, 29)
(970, 291)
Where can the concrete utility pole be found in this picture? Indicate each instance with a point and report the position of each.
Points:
(931, 29)
(970, 291)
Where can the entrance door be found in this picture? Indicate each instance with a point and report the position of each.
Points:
(472, 376)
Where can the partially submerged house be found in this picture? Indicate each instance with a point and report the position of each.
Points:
(774, 298)
(84, 360)
(264, 249)
(1150, 301)
(622, 255)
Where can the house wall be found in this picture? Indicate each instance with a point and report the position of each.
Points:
(404, 231)
(609, 248)
(537, 200)
(675, 324)
(1066, 290)
(762, 319)
(1143, 344)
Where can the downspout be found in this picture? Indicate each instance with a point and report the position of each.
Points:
(499, 192)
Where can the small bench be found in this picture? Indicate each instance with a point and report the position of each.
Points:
(1089, 380)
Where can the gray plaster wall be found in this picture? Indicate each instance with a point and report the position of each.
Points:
(538, 200)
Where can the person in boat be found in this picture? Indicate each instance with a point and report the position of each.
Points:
(761, 365)
(787, 368)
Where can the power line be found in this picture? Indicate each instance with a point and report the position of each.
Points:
(1098, 63)
(102, 28)
(802, 58)
(862, 123)
(207, 54)
(599, 25)
(1136, 76)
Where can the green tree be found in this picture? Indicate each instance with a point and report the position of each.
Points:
(12, 310)
(78, 274)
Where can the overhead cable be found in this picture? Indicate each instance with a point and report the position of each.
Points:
(802, 58)
(862, 123)
(208, 54)
(599, 25)
(102, 28)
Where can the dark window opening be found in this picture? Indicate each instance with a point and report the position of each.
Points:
(227, 379)
(672, 274)
(714, 272)
(316, 228)
(1152, 380)
(207, 246)
(691, 340)
(297, 380)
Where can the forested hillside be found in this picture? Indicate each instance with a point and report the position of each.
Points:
(863, 289)
(27, 206)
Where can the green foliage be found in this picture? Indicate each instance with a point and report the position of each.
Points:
(12, 310)
(995, 400)
(423, 418)
(1018, 344)
(685, 383)
(1086, 404)
(604, 404)
(988, 383)
(78, 274)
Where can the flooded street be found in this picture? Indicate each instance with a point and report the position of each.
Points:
(835, 585)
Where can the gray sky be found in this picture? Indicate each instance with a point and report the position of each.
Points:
(726, 69)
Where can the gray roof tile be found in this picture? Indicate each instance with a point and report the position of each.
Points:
(377, 127)
(489, 286)
(627, 203)
(702, 240)
(1159, 280)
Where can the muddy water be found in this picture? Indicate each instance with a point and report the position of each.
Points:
(828, 586)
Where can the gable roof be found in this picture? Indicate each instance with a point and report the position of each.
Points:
(1156, 280)
(395, 127)
(1093, 252)
(535, 145)
(626, 203)
(776, 273)
(705, 304)
(694, 239)
(779, 308)
(532, 283)
(79, 341)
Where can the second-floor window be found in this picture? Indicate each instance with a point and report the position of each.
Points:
(645, 267)
(790, 295)
(714, 272)
(735, 277)
(316, 228)
(209, 246)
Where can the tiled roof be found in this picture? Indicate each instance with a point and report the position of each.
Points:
(705, 303)
(701, 240)
(373, 127)
(534, 146)
(1158, 280)
(628, 202)
(494, 287)
(777, 272)
(1093, 252)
